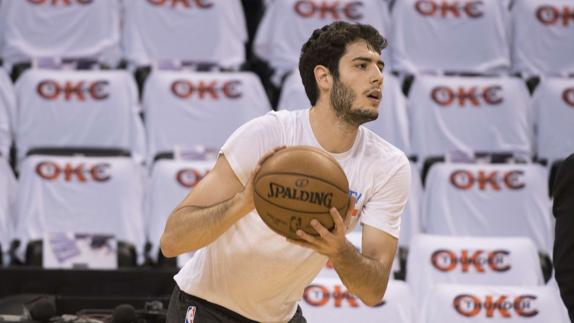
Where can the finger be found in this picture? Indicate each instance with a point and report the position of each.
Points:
(307, 237)
(337, 219)
(323, 232)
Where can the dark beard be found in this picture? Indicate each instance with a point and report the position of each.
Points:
(342, 98)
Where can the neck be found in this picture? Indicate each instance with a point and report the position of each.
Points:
(333, 134)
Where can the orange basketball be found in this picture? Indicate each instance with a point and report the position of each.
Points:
(298, 184)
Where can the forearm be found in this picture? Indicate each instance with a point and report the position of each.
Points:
(191, 227)
(364, 277)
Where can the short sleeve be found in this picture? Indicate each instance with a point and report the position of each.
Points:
(250, 142)
(383, 210)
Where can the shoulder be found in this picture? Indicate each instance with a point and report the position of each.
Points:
(378, 149)
(278, 117)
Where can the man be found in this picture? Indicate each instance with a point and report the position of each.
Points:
(563, 210)
(245, 272)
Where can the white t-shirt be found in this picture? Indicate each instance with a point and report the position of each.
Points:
(256, 272)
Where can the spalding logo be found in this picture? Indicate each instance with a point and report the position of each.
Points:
(319, 198)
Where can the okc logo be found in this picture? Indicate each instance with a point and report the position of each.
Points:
(58, 2)
(467, 96)
(326, 10)
(443, 9)
(204, 89)
(549, 15)
(81, 172)
(469, 305)
(190, 314)
(201, 4)
(483, 180)
(70, 90)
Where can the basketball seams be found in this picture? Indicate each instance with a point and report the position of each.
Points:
(292, 210)
(303, 175)
(322, 152)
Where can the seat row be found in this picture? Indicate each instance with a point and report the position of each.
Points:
(185, 110)
(85, 192)
(487, 36)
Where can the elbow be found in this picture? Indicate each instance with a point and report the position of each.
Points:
(168, 248)
(374, 299)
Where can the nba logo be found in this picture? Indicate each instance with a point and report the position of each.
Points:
(190, 314)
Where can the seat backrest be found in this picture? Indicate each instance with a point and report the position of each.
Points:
(203, 31)
(7, 114)
(102, 195)
(411, 217)
(327, 300)
(171, 180)
(287, 24)
(489, 200)
(8, 218)
(471, 260)
(96, 109)
(64, 29)
(451, 35)
(542, 32)
(190, 109)
(554, 110)
(496, 304)
(392, 124)
(470, 114)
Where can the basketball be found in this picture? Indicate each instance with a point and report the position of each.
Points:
(298, 184)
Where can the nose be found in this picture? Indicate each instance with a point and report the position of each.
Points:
(377, 77)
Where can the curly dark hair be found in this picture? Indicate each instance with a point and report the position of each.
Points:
(326, 47)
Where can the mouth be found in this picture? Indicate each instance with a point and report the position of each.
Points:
(375, 95)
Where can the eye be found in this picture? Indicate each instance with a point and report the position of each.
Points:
(362, 66)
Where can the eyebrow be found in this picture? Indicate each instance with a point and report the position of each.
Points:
(380, 63)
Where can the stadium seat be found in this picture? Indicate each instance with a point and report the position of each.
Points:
(80, 194)
(62, 29)
(392, 124)
(451, 36)
(287, 24)
(471, 260)
(489, 200)
(470, 114)
(171, 180)
(7, 209)
(186, 110)
(7, 114)
(553, 103)
(410, 219)
(202, 32)
(493, 304)
(79, 109)
(327, 300)
(542, 37)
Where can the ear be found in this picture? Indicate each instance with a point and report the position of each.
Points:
(323, 78)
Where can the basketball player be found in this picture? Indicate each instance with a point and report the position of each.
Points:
(242, 270)
(563, 209)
